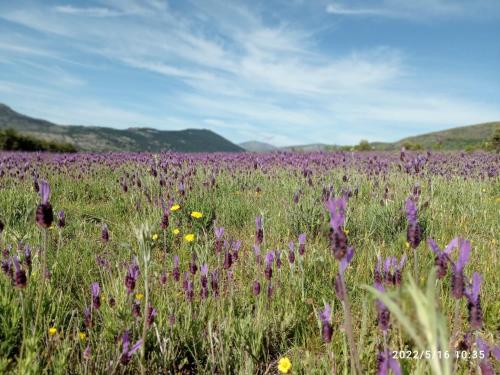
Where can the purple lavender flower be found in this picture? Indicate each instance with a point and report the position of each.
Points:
(165, 219)
(268, 271)
(219, 232)
(96, 296)
(338, 238)
(20, 280)
(270, 290)
(442, 257)
(386, 361)
(278, 259)
(104, 233)
(414, 231)
(326, 326)
(383, 314)
(176, 273)
(193, 268)
(392, 273)
(291, 252)
(345, 261)
(259, 231)
(136, 309)
(214, 282)
(87, 353)
(228, 260)
(256, 251)
(256, 288)
(27, 256)
(132, 275)
(236, 248)
(203, 276)
(151, 313)
(128, 351)
(163, 277)
(61, 216)
(484, 364)
(44, 215)
(474, 302)
(302, 244)
(457, 270)
(87, 317)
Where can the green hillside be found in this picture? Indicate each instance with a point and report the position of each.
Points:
(472, 136)
(92, 138)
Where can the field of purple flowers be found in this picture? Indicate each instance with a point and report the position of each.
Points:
(298, 263)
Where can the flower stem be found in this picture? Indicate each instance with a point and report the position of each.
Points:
(355, 365)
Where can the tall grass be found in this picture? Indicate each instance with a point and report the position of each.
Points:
(234, 331)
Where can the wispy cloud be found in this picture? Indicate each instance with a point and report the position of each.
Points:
(415, 9)
(231, 67)
(90, 11)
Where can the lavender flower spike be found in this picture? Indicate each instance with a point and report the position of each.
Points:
(96, 298)
(326, 327)
(259, 231)
(302, 243)
(44, 215)
(474, 302)
(336, 207)
(126, 352)
(19, 276)
(346, 260)
(458, 279)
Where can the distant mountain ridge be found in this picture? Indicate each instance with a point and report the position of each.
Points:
(256, 146)
(459, 138)
(94, 138)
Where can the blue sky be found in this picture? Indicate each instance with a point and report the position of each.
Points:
(284, 72)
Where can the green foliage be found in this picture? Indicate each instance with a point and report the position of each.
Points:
(495, 140)
(363, 145)
(10, 140)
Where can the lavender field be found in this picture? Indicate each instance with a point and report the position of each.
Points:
(299, 263)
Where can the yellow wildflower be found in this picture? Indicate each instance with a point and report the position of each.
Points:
(189, 237)
(284, 365)
(52, 331)
(407, 244)
(175, 207)
(154, 237)
(497, 200)
(176, 231)
(196, 214)
(139, 296)
(82, 336)
(346, 231)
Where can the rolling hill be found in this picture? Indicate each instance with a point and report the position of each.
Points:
(458, 138)
(452, 139)
(93, 138)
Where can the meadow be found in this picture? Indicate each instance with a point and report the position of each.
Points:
(299, 263)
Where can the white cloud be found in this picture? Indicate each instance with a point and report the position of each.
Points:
(233, 71)
(414, 9)
(90, 11)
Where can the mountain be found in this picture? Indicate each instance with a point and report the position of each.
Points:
(310, 147)
(459, 138)
(256, 146)
(453, 139)
(93, 138)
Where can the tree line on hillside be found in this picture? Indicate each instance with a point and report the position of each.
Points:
(10, 140)
(491, 144)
